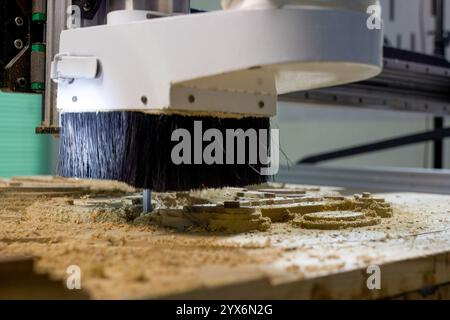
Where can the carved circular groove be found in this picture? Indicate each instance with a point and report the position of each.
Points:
(335, 216)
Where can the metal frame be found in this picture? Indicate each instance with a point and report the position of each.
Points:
(409, 82)
(440, 43)
(56, 23)
(15, 45)
(435, 135)
(381, 179)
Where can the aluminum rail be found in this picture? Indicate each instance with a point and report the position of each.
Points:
(409, 82)
(382, 179)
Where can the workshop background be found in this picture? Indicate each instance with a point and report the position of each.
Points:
(305, 130)
(313, 129)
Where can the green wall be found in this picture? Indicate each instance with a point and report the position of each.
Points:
(22, 152)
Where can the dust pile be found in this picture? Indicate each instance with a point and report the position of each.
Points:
(183, 246)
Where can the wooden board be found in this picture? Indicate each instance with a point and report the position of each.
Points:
(412, 251)
(127, 259)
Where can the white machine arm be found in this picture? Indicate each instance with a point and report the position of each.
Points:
(234, 61)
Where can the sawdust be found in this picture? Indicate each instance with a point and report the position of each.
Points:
(124, 254)
(121, 254)
(64, 211)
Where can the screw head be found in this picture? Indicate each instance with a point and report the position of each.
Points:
(87, 6)
(191, 98)
(74, 99)
(144, 99)
(18, 44)
(261, 104)
(21, 82)
(19, 21)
